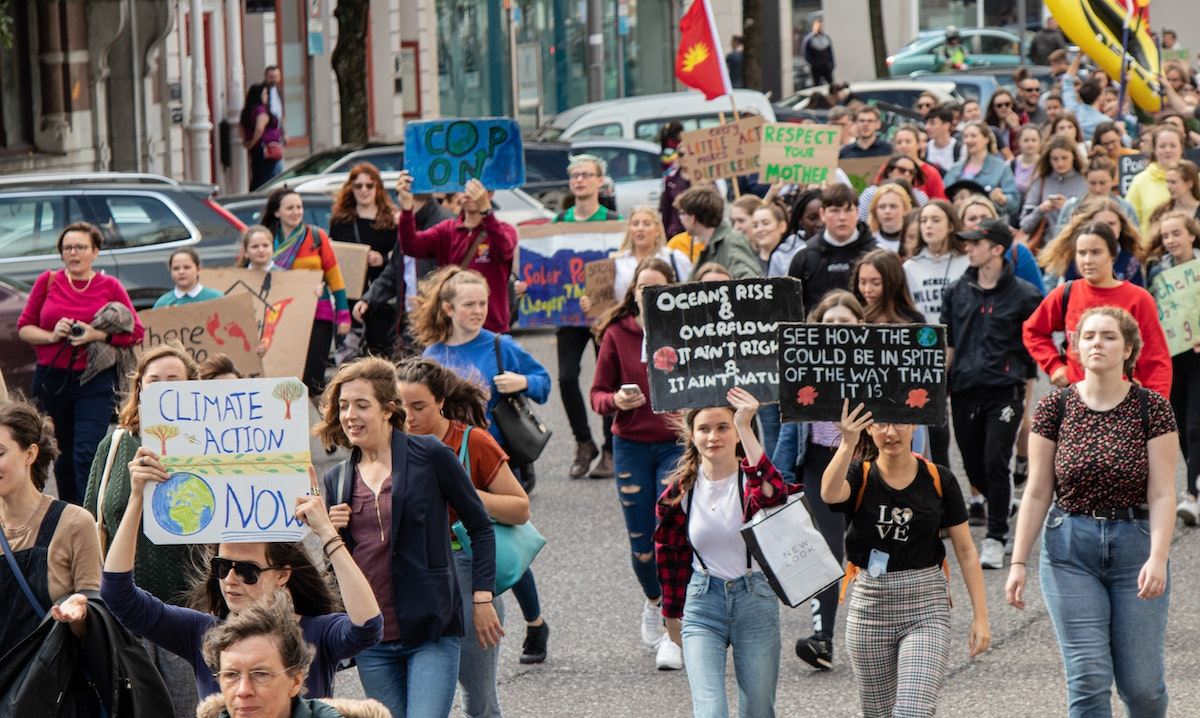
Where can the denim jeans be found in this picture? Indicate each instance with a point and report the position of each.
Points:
(526, 592)
(743, 613)
(1089, 576)
(768, 421)
(642, 469)
(476, 666)
(789, 450)
(81, 414)
(415, 681)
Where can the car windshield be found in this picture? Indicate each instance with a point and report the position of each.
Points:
(314, 164)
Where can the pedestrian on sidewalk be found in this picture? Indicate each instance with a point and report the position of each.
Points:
(817, 49)
(1102, 477)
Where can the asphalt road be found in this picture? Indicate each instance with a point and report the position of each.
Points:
(598, 666)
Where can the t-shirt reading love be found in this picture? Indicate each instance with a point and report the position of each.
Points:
(902, 523)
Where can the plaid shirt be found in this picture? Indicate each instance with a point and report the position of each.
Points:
(671, 545)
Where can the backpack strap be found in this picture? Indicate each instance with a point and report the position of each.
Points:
(937, 476)
(1066, 299)
(464, 451)
(1143, 395)
(862, 490)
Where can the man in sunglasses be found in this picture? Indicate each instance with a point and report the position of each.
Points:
(1029, 95)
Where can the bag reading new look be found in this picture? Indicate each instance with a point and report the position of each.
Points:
(790, 550)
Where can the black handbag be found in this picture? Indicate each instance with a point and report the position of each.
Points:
(524, 434)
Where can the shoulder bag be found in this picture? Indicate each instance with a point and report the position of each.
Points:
(524, 434)
(101, 531)
(791, 551)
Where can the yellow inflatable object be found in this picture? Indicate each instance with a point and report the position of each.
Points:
(1097, 27)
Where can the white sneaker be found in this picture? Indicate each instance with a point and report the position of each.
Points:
(992, 554)
(1188, 510)
(652, 623)
(669, 656)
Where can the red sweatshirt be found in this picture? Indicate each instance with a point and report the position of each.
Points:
(448, 242)
(1153, 368)
(53, 299)
(620, 362)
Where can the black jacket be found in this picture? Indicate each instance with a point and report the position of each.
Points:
(388, 286)
(51, 673)
(426, 480)
(983, 326)
(820, 266)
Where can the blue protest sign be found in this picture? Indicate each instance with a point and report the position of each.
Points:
(441, 155)
(553, 258)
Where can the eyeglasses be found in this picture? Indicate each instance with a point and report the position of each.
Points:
(75, 248)
(363, 185)
(998, 105)
(248, 572)
(582, 175)
(258, 678)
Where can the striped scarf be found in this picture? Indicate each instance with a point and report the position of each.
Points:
(287, 249)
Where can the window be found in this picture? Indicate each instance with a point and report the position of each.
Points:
(611, 129)
(30, 225)
(648, 130)
(129, 221)
(997, 45)
(626, 165)
(15, 101)
(384, 161)
(546, 165)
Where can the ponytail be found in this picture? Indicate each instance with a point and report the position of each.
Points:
(428, 323)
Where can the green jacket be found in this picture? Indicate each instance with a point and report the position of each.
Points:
(730, 249)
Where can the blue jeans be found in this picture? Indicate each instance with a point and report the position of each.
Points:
(768, 421)
(790, 449)
(526, 592)
(1089, 575)
(81, 414)
(743, 613)
(412, 681)
(642, 469)
(476, 666)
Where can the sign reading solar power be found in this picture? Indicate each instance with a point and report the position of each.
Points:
(897, 370)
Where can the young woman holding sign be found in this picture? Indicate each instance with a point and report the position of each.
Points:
(645, 444)
(707, 575)
(898, 627)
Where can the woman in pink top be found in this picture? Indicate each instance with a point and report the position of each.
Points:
(82, 327)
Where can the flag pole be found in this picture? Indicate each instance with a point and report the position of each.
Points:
(720, 52)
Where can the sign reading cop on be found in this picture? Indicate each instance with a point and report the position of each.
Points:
(704, 338)
(798, 154)
(441, 155)
(553, 264)
(897, 370)
(726, 150)
(1177, 293)
(237, 453)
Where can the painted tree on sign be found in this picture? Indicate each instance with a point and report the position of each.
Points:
(287, 392)
(162, 432)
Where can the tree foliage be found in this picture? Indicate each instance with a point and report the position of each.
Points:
(287, 392)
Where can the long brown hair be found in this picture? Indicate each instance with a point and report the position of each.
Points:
(28, 427)
(345, 206)
(837, 298)
(628, 305)
(1057, 256)
(688, 466)
(1188, 172)
(381, 375)
(129, 418)
(463, 400)
(896, 304)
(1044, 168)
(954, 245)
(427, 322)
(311, 588)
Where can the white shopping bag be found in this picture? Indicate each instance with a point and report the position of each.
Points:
(791, 551)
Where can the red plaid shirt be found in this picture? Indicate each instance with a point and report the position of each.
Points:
(671, 545)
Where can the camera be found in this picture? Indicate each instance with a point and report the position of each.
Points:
(76, 330)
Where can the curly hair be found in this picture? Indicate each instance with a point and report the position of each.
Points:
(29, 427)
(129, 417)
(1057, 256)
(462, 400)
(428, 322)
(381, 375)
(345, 206)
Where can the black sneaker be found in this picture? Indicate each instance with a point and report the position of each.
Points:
(976, 515)
(1020, 470)
(816, 652)
(534, 649)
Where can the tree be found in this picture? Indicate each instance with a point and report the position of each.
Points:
(878, 45)
(752, 45)
(350, 65)
(162, 432)
(287, 392)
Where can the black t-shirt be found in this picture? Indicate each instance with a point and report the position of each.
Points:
(380, 240)
(902, 523)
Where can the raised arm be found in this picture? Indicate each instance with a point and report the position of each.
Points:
(834, 487)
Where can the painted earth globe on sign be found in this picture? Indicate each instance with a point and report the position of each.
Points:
(183, 504)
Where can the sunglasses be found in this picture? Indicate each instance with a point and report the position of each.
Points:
(248, 572)
(924, 105)
(1002, 104)
(363, 185)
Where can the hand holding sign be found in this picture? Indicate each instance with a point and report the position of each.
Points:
(745, 406)
(477, 195)
(145, 468)
(853, 423)
(404, 194)
(311, 510)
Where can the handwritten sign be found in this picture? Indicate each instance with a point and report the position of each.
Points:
(1177, 293)
(798, 154)
(599, 278)
(237, 452)
(284, 305)
(552, 263)
(223, 325)
(723, 151)
(861, 171)
(442, 155)
(1128, 166)
(352, 261)
(897, 370)
(705, 338)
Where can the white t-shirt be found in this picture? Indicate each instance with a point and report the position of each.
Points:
(715, 528)
(940, 156)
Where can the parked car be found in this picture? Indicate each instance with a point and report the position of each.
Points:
(17, 360)
(318, 162)
(641, 117)
(969, 86)
(143, 219)
(248, 207)
(987, 47)
(635, 167)
(902, 92)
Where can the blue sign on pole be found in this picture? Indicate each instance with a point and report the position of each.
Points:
(441, 155)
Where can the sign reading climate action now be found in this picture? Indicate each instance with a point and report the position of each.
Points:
(703, 339)
(897, 370)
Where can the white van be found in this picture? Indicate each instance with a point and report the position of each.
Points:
(641, 117)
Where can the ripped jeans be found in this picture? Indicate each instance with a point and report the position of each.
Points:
(642, 470)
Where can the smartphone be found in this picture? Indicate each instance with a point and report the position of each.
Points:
(631, 389)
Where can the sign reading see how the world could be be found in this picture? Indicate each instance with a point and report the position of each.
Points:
(237, 452)
(897, 370)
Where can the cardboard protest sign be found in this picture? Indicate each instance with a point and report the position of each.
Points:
(1177, 293)
(704, 338)
(599, 277)
(862, 170)
(897, 370)
(352, 261)
(726, 150)
(224, 325)
(551, 262)
(237, 452)
(798, 154)
(284, 305)
(441, 155)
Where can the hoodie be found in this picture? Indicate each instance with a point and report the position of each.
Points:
(983, 326)
(1147, 192)
(823, 265)
(781, 256)
(620, 362)
(928, 276)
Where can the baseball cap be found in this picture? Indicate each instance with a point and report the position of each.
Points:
(996, 231)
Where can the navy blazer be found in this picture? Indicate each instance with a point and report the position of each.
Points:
(426, 480)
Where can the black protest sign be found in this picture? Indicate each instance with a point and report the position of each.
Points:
(1128, 167)
(897, 370)
(704, 338)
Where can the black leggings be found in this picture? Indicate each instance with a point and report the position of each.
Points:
(986, 425)
(833, 528)
(318, 356)
(571, 343)
(939, 445)
(1185, 400)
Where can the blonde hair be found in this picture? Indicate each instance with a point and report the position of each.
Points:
(1057, 255)
(428, 322)
(886, 189)
(129, 418)
(659, 242)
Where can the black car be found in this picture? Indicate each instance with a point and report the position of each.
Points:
(248, 207)
(17, 360)
(143, 219)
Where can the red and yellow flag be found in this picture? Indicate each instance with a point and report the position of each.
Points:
(699, 63)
